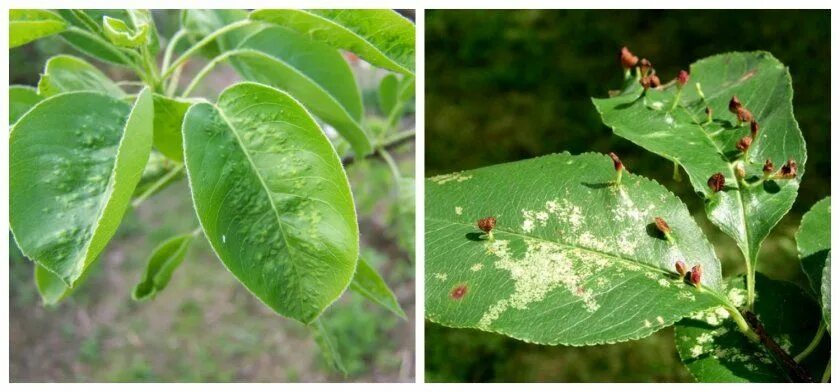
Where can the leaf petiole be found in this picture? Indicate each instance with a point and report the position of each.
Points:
(200, 44)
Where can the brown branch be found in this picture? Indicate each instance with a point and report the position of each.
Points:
(795, 371)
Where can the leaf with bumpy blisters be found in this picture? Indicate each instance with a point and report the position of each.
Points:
(383, 38)
(574, 259)
(714, 350)
(745, 212)
(272, 198)
(75, 159)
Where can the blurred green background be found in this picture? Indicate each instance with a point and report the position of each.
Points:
(503, 86)
(205, 326)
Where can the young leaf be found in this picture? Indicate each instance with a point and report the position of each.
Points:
(169, 115)
(746, 213)
(383, 38)
(314, 73)
(573, 258)
(51, 288)
(120, 34)
(714, 350)
(326, 342)
(64, 74)
(387, 93)
(142, 19)
(368, 283)
(813, 240)
(87, 34)
(272, 198)
(162, 263)
(75, 159)
(21, 99)
(26, 26)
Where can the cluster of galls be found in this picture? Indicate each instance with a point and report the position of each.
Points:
(646, 73)
(694, 276)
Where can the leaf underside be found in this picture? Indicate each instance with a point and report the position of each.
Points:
(714, 350)
(575, 260)
(763, 86)
(272, 198)
(370, 284)
(160, 266)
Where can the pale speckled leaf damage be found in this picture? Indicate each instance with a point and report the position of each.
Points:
(575, 260)
(272, 198)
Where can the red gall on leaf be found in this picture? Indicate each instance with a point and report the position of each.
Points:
(734, 104)
(682, 78)
(645, 82)
(662, 225)
(681, 268)
(716, 182)
(487, 224)
(744, 115)
(654, 81)
(458, 292)
(696, 275)
(788, 171)
(753, 128)
(616, 162)
(744, 144)
(644, 67)
(768, 167)
(627, 59)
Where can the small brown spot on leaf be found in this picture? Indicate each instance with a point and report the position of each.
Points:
(662, 225)
(487, 224)
(788, 171)
(716, 182)
(458, 292)
(744, 144)
(768, 167)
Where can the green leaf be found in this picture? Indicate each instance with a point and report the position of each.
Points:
(94, 46)
(383, 38)
(388, 93)
(575, 260)
(120, 34)
(169, 115)
(21, 99)
(370, 284)
(313, 73)
(162, 263)
(813, 241)
(51, 288)
(200, 23)
(64, 74)
(746, 213)
(272, 198)
(75, 159)
(26, 26)
(326, 342)
(714, 350)
(407, 89)
(142, 19)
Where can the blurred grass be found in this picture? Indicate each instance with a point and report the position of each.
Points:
(205, 326)
(503, 86)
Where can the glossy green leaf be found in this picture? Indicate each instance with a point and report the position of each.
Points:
(75, 159)
(122, 35)
(313, 73)
(64, 74)
(94, 46)
(746, 213)
(169, 115)
(26, 26)
(51, 288)
(370, 284)
(329, 349)
(575, 260)
(383, 38)
(21, 99)
(160, 266)
(387, 93)
(813, 241)
(714, 350)
(201, 22)
(272, 198)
